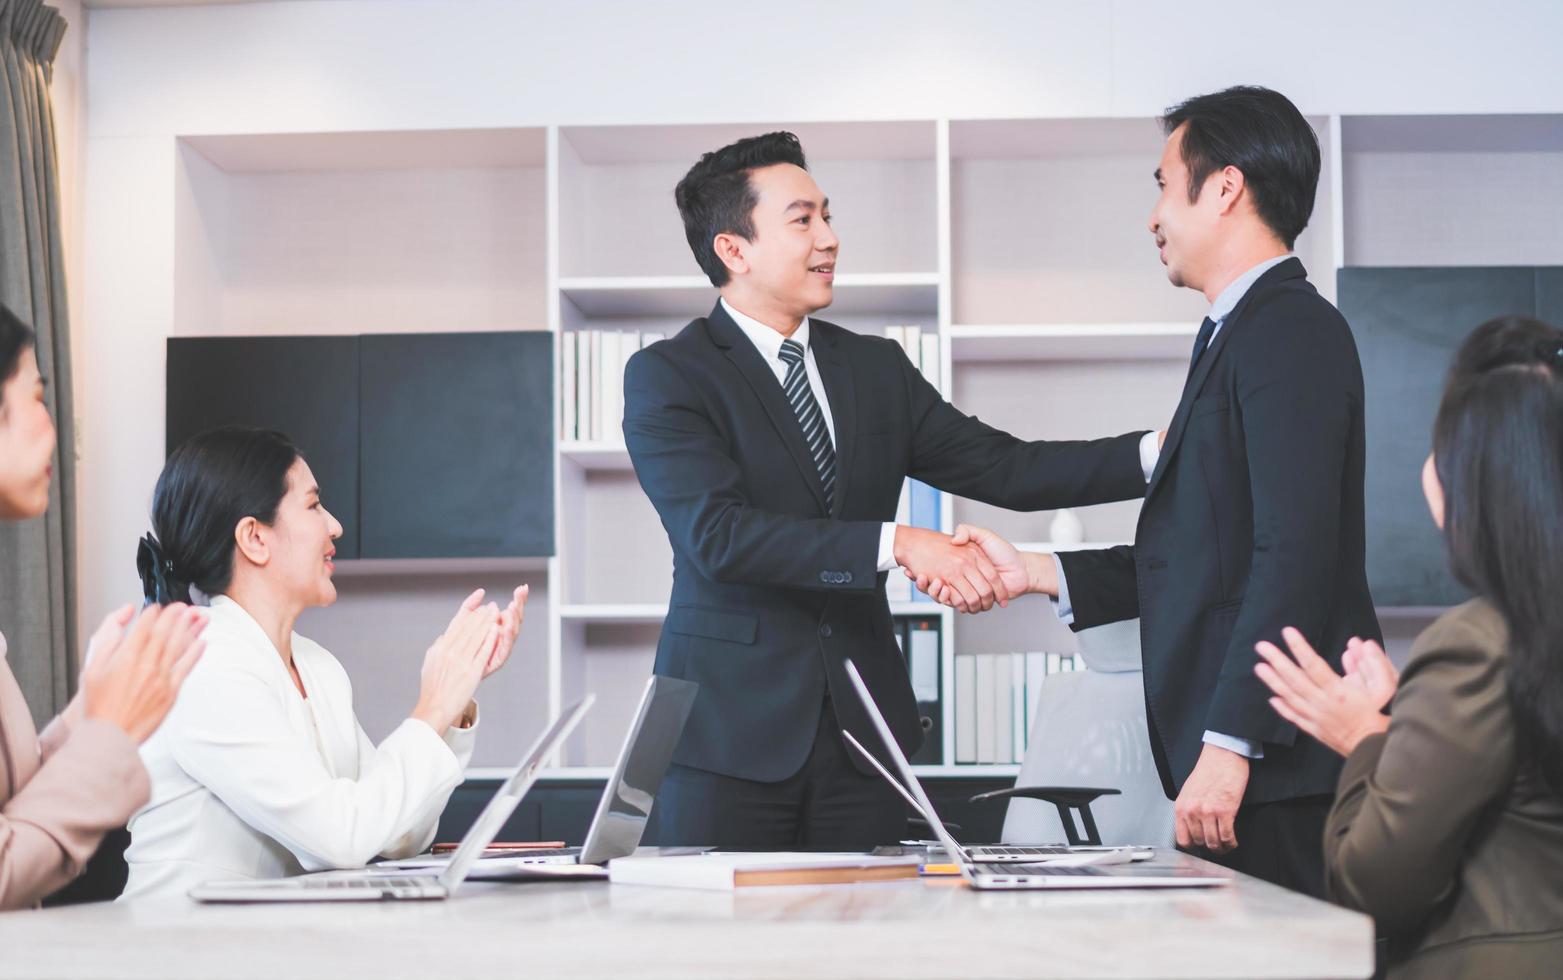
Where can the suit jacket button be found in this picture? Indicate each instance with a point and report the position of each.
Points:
(824, 577)
(824, 630)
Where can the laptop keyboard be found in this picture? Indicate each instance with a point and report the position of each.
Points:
(1032, 870)
(337, 884)
(1006, 851)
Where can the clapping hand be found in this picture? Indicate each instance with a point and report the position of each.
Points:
(1338, 711)
(509, 626)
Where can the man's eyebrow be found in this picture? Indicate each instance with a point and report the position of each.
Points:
(803, 204)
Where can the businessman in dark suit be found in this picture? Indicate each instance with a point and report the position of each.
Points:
(1253, 519)
(774, 447)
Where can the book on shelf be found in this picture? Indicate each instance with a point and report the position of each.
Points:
(567, 405)
(997, 699)
(921, 641)
(920, 503)
(965, 710)
(591, 382)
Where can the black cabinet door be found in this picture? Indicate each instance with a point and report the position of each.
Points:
(456, 445)
(1408, 322)
(305, 387)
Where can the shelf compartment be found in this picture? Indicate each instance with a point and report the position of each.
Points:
(1072, 341)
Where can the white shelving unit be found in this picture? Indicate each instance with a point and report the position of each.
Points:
(1022, 242)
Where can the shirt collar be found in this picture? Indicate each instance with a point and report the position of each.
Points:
(1240, 286)
(767, 340)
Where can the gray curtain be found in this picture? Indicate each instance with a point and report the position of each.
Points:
(37, 558)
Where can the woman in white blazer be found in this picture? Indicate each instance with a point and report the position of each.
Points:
(261, 769)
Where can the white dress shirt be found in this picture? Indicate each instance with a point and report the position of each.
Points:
(768, 342)
(251, 780)
(1225, 303)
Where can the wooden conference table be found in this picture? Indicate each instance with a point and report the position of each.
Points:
(899, 929)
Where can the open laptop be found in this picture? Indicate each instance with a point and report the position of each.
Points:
(371, 886)
(626, 801)
(1013, 853)
(986, 875)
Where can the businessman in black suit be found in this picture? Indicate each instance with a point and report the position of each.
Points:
(1253, 519)
(774, 447)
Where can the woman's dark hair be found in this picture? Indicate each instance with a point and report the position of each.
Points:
(1261, 133)
(210, 483)
(15, 337)
(716, 198)
(1498, 450)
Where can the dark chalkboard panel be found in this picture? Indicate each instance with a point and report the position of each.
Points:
(457, 445)
(1408, 324)
(306, 387)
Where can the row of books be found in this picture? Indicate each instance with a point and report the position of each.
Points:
(996, 702)
(591, 376)
(591, 382)
(919, 504)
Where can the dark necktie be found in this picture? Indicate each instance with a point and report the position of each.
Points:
(810, 419)
(1206, 329)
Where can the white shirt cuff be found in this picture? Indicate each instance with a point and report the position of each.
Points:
(1064, 609)
(1150, 451)
(886, 547)
(1246, 747)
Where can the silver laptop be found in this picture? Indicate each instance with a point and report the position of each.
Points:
(1011, 853)
(334, 886)
(626, 801)
(985, 875)
(623, 810)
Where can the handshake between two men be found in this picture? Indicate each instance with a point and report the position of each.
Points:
(974, 569)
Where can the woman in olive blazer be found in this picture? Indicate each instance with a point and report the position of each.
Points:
(1448, 822)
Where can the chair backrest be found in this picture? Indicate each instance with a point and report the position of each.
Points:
(1090, 730)
(104, 877)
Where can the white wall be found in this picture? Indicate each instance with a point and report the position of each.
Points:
(409, 64)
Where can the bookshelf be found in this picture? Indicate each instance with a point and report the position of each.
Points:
(1020, 243)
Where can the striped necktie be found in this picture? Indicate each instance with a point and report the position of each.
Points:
(1207, 329)
(810, 419)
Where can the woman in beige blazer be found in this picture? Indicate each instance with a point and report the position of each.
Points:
(61, 792)
(1447, 827)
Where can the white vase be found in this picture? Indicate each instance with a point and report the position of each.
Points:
(1066, 528)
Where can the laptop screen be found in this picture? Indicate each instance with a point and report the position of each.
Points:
(505, 801)
(904, 766)
(648, 751)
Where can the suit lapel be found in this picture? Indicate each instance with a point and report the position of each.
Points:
(726, 335)
(1290, 269)
(836, 372)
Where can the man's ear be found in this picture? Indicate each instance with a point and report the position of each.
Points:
(1231, 186)
(249, 538)
(732, 250)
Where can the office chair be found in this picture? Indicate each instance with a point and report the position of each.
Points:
(1090, 744)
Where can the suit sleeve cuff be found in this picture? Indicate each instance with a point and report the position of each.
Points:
(1246, 747)
(886, 547)
(1150, 451)
(1062, 606)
